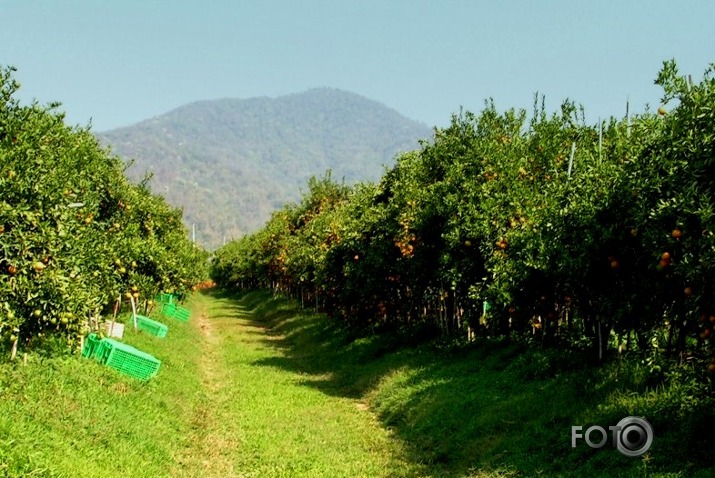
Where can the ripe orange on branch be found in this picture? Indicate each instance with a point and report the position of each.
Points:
(664, 260)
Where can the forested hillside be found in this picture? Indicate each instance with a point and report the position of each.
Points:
(230, 163)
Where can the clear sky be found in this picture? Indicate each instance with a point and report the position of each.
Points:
(122, 61)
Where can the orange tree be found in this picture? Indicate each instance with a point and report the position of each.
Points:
(361, 269)
(678, 228)
(74, 233)
(572, 233)
(313, 230)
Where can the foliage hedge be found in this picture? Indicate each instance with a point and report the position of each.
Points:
(539, 227)
(75, 234)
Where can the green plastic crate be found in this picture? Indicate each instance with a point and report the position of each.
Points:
(168, 309)
(181, 313)
(176, 312)
(102, 351)
(91, 344)
(128, 360)
(151, 326)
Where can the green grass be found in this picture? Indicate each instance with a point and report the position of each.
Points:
(254, 387)
(281, 426)
(211, 411)
(68, 416)
(494, 408)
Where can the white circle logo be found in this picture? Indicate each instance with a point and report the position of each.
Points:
(634, 436)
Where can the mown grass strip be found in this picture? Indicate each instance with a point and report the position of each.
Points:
(284, 428)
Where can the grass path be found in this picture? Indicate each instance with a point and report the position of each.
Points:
(211, 447)
(256, 420)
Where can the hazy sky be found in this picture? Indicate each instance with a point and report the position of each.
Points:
(122, 61)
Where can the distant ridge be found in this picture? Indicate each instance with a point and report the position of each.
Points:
(231, 162)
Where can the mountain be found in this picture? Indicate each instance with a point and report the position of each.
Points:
(229, 163)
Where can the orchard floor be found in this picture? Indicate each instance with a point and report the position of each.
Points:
(217, 408)
(252, 386)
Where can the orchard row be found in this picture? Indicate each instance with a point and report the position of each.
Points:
(75, 234)
(538, 226)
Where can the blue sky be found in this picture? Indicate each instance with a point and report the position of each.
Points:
(119, 62)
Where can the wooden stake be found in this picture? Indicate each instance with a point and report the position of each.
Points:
(14, 349)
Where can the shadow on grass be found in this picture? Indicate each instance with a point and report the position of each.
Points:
(488, 407)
